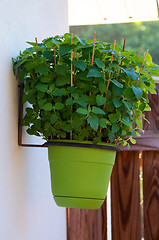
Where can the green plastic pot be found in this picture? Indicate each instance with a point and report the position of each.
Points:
(80, 173)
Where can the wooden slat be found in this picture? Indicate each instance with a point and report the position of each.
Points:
(104, 220)
(84, 224)
(125, 201)
(151, 195)
(149, 140)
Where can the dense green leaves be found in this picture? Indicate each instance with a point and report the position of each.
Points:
(80, 98)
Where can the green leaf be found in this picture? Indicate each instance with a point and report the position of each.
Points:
(29, 111)
(94, 123)
(99, 63)
(47, 125)
(69, 101)
(149, 58)
(30, 65)
(42, 69)
(133, 141)
(97, 110)
(134, 133)
(127, 104)
(111, 136)
(142, 106)
(114, 117)
(61, 81)
(59, 106)
(155, 70)
(67, 127)
(52, 87)
(103, 122)
(94, 73)
(123, 133)
(82, 111)
(137, 91)
(125, 122)
(139, 123)
(80, 64)
(41, 102)
(61, 69)
(128, 92)
(45, 79)
(77, 123)
(131, 73)
(47, 107)
(82, 41)
(81, 102)
(65, 48)
(22, 74)
(115, 128)
(37, 123)
(41, 87)
(30, 131)
(117, 103)
(102, 87)
(147, 108)
(58, 92)
(55, 41)
(48, 55)
(117, 83)
(100, 100)
(53, 118)
(116, 91)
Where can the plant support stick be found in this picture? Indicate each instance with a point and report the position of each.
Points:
(108, 79)
(71, 79)
(92, 60)
(122, 57)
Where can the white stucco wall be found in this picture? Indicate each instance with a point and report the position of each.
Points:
(27, 209)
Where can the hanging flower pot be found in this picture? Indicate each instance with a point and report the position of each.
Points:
(80, 172)
(83, 91)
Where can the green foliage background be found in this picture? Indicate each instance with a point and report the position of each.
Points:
(140, 34)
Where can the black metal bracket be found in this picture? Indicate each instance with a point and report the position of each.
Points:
(20, 116)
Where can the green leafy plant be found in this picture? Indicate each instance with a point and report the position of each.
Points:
(105, 99)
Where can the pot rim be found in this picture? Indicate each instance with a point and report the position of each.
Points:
(86, 144)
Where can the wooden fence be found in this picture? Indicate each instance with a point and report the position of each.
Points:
(128, 219)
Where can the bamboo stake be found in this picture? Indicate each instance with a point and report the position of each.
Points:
(71, 79)
(36, 41)
(139, 52)
(108, 79)
(93, 51)
(51, 135)
(122, 58)
(54, 55)
(138, 55)
(111, 62)
(93, 47)
(92, 60)
(143, 61)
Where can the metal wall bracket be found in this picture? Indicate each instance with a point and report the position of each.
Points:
(20, 116)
